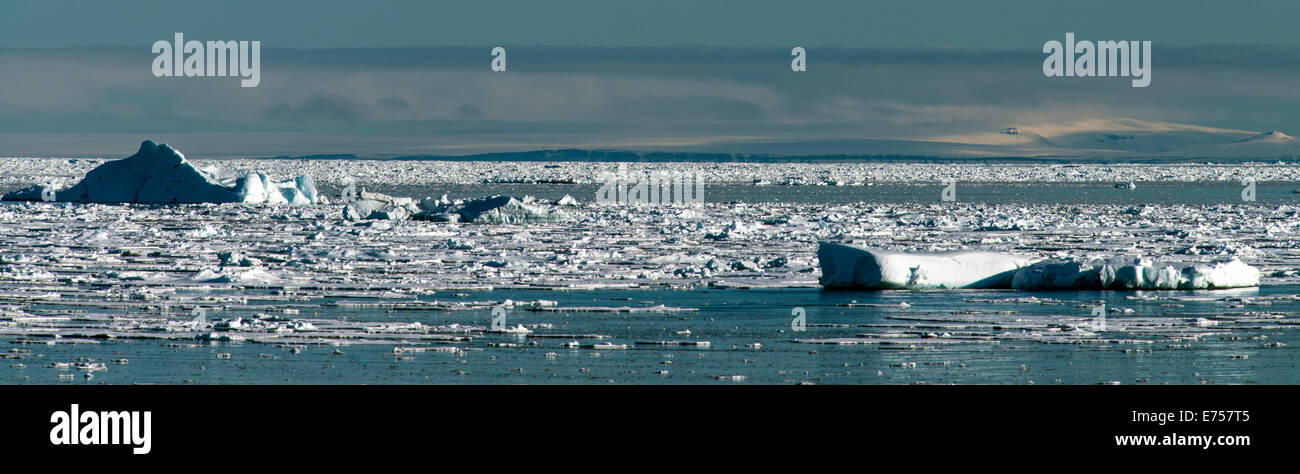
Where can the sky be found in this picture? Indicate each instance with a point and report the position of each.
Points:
(607, 23)
(389, 77)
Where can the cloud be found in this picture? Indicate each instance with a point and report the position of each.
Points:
(393, 103)
(318, 107)
(697, 107)
(642, 97)
(468, 111)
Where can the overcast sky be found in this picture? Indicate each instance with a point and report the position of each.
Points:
(413, 77)
(380, 23)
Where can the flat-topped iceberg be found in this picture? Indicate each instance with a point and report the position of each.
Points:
(158, 174)
(850, 267)
(1120, 273)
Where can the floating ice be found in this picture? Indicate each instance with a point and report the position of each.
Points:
(487, 210)
(158, 174)
(380, 206)
(490, 210)
(255, 275)
(844, 267)
(519, 329)
(1135, 274)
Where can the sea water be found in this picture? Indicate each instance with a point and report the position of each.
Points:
(75, 326)
(936, 337)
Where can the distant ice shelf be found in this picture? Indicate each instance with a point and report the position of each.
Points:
(158, 174)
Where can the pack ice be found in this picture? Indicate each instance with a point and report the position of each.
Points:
(849, 267)
(158, 174)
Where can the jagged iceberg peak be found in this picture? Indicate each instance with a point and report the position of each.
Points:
(159, 174)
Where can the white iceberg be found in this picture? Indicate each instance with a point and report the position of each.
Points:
(1135, 274)
(850, 267)
(380, 206)
(253, 276)
(158, 174)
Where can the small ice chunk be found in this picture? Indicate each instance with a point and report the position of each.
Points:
(520, 329)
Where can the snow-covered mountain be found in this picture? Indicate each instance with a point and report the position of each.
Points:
(1106, 139)
(1119, 138)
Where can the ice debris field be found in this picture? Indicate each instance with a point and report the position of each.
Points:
(159, 269)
